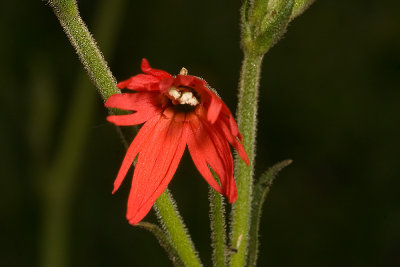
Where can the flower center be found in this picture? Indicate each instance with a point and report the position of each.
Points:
(182, 96)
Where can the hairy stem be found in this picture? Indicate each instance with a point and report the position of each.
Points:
(85, 46)
(171, 221)
(218, 229)
(247, 122)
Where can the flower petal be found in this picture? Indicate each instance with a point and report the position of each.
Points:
(233, 140)
(136, 118)
(133, 150)
(156, 165)
(139, 82)
(224, 152)
(160, 74)
(214, 109)
(184, 80)
(207, 151)
(133, 101)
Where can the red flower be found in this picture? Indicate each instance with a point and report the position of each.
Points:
(176, 111)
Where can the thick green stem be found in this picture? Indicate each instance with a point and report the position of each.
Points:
(247, 121)
(172, 223)
(218, 229)
(91, 57)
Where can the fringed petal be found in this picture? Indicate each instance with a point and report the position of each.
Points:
(157, 163)
(133, 101)
(184, 80)
(135, 118)
(221, 145)
(214, 109)
(134, 148)
(211, 151)
(233, 140)
(140, 82)
(160, 74)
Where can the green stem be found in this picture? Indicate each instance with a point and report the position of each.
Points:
(91, 57)
(86, 48)
(172, 223)
(247, 121)
(218, 229)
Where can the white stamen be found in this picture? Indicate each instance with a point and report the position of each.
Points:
(183, 71)
(188, 98)
(174, 93)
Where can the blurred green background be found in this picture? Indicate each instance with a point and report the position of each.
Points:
(329, 99)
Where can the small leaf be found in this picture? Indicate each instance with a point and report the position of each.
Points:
(164, 240)
(260, 192)
(274, 24)
(299, 7)
(263, 23)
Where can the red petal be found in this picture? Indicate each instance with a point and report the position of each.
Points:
(135, 118)
(165, 84)
(207, 151)
(233, 140)
(214, 109)
(133, 101)
(160, 74)
(133, 150)
(224, 152)
(233, 126)
(156, 166)
(139, 82)
(184, 80)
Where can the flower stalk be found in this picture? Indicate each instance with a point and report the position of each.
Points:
(85, 46)
(97, 68)
(172, 223)
(263, 23)
(247, 122)
(218, 228)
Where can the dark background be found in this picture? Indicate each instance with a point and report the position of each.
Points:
(329, 99)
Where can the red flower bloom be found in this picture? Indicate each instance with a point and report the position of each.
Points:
(176, 111)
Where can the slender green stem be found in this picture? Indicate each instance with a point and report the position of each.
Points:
(92, 59)
(218, 229)
(86, 48)
(247, 121)
(171, 221)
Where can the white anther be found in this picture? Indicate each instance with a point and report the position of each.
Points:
(174, 93)
(183, 71)
(188, 98)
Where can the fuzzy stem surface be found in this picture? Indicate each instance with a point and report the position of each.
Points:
(218, 228)
(172, 223)
(247, 122)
